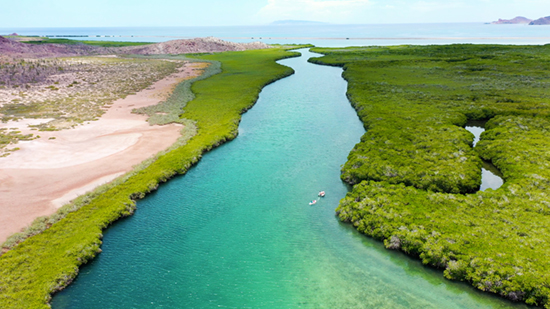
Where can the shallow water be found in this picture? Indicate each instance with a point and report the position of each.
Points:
(237, 232)
(491, 177)
(327, 35)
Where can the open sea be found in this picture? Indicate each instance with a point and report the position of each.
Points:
(327, 35)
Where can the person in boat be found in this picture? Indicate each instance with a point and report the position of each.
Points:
(322, 193)
(312, 202)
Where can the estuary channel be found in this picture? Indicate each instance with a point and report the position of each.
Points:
(237, 230)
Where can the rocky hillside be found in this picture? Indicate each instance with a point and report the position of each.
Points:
(199, 45)
(541, 21)
(21, 50)
(515, 20)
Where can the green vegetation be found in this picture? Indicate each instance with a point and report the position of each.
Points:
(48, 261)
(87, 42)
(415, 168)
(169, 111)
(11, 137)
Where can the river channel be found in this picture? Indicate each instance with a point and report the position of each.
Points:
(237, 230)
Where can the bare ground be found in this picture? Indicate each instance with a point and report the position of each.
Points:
(60, 165)
(12, 48)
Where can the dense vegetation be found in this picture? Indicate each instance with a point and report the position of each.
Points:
(48, 261)
(87, 42)
(415, 171)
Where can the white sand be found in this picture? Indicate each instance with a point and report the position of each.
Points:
(71, 195)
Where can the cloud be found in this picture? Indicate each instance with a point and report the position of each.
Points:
(433, 6)
(318, 10)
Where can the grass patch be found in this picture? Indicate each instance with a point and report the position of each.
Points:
(48, 261)
(169, 111)
(416, 175)
(10, 137)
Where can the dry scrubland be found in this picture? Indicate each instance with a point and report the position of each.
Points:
(46, 47)
(65, 92)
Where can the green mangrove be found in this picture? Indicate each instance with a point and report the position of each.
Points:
(416, 175)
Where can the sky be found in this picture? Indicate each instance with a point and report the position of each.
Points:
(170, 13)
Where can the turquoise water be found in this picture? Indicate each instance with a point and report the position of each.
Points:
(237, 232)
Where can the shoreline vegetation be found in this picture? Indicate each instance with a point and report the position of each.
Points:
(47, 262)
(416, 174)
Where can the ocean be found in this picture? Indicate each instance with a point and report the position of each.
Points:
(326, 35)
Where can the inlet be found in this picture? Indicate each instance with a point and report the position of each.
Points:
(491, 177)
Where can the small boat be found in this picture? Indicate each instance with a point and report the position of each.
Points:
(322, 193)
(313, 202)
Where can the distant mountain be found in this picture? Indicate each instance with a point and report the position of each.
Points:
(296, 22)
(516, 20)
(541, 21)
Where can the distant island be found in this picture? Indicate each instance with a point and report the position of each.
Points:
(541, 21)
(516, 20)
(523, 20)
(296, 22)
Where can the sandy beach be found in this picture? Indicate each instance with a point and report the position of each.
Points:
(50, 171)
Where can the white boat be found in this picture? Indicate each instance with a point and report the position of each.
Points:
(313, 202)
(322, 193)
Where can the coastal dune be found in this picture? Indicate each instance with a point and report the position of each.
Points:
(48, 172)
